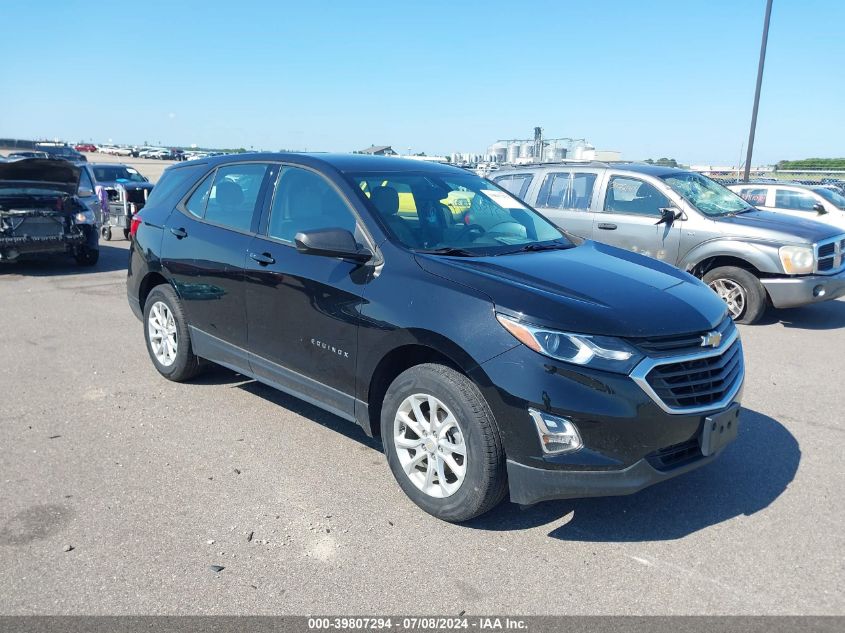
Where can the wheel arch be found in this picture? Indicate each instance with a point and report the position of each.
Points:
(150, 281)
(424, 348)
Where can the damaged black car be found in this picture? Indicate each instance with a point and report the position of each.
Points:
(41, 212)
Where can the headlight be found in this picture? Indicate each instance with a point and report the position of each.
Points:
(599, 352)
(796, 260)
(85, 217)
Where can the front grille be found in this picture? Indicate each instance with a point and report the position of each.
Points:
(830, 256)
(699, 382)
(676, 455)
(662, 345)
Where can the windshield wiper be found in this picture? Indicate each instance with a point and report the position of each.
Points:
(447, 250)
(539, 246)
(745, 210)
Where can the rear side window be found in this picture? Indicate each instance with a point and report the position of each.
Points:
(196, 203)
(517, 184)
(234, 193)
(794, 200)
(634, 197)
(757, 197)
(173, 181)
(571, 190)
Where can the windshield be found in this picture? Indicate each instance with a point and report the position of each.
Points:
(706, 195)
(113, 174)
(831, 196)
(454, 212)
(56, 150)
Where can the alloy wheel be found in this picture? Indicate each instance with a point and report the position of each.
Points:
(732, 294)
(161, 328)
(430, 445)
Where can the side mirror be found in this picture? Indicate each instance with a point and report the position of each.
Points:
(85, 192)
(331, 243)
(819, 208)
(668, 215)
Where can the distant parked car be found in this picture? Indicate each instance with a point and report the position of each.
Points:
(750, 258)
(60, 150)
(85, 147)
(109, 174)
(30, 154)
(811, 202)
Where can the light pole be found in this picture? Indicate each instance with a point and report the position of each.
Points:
(757, 90)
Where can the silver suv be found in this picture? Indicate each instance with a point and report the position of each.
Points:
(751, 258)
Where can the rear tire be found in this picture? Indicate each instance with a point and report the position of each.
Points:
(107, 233)
(476, 481)
(168, 337)
(741, 291)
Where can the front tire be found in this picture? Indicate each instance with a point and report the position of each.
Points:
(167, 336)
(86, 256)
(442, 443)
(741, 291)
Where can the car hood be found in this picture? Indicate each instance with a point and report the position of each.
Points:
(592, 288)
(49, 173)
(777, 227)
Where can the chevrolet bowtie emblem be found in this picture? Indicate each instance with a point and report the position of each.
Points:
(711, 339)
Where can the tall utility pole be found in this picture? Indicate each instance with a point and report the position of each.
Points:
(757, 90)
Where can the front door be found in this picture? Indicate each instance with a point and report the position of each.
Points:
(205, 243)
(304, 310)
(629, 219)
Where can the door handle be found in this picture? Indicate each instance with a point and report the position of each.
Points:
(263, 258)
(607, 226)
(179, 233)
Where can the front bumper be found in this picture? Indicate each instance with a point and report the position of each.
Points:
(790, 292)
(629, 441)
(529, 485)
(14, 247)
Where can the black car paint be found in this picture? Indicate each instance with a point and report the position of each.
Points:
(327, 329)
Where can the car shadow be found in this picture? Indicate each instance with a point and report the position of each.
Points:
(315, 414)
(111, 258)
(746, 478)
(828, 315)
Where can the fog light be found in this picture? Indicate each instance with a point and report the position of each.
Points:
(557, 435)
(818, 291)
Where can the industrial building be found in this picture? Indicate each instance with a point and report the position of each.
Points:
(545, 150)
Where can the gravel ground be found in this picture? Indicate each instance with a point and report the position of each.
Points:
(121, 490)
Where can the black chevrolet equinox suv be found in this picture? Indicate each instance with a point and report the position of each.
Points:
(492, 352)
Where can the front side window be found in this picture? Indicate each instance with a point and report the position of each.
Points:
(757, 197)
(634, 197)
(706, 195)
(459, 214)
(305, 201)
(794, 200)
(231, 201)
(567, 191)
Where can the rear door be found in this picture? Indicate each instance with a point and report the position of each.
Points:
(567, 199)
(630, 210)
(205, 243)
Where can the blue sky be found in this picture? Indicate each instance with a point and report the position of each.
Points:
(650, 78)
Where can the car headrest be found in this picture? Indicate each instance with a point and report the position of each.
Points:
(386, 200)
(229, 194)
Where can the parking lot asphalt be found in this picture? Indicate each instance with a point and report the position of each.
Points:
(148, 484)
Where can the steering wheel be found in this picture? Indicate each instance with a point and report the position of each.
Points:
(468, 229)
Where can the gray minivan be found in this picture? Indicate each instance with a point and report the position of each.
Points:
(751, 258)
